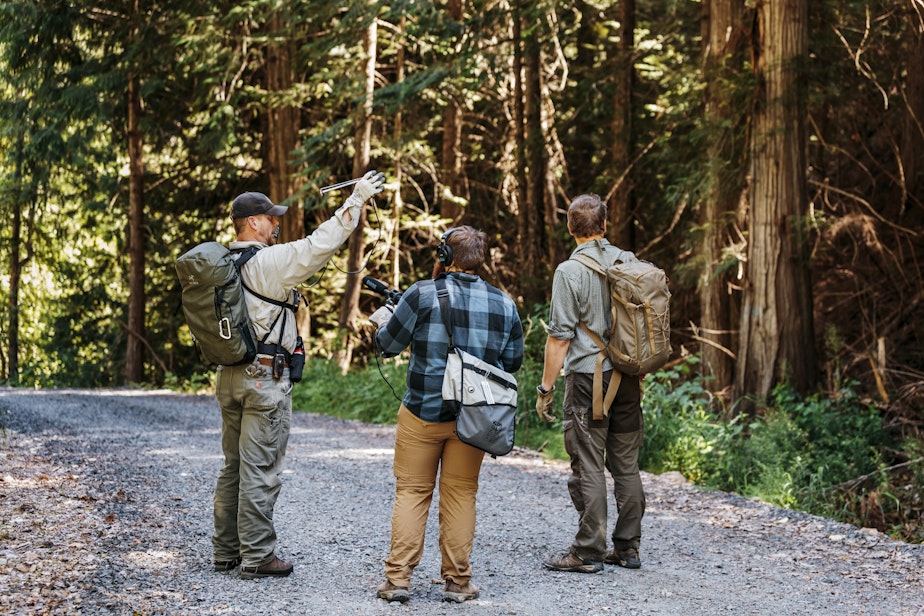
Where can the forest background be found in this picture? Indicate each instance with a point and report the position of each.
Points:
(769, 155)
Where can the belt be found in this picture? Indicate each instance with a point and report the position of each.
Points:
(268, 361)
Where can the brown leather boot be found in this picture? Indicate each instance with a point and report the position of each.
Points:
(390, 592)
(274, 568)
(458, 593)
(570, 562)
(627, 557)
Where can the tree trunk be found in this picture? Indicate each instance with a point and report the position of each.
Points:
(724, 183)
(583, 164)
(453, 193)
(283, 124)
(777, 334)
(282, 131)
(397, 202)
(15, 263)
(534, 154)
(526, 216)
(912, 148)
(349, 307)
(620, 206)
(134, 353)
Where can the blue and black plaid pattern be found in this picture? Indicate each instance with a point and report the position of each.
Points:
(485, 324)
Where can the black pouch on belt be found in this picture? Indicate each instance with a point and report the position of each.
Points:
(297, 361)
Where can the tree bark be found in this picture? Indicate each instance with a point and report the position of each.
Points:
(534, 154)
(16, 264)
(526, 215)
(724, 183)
(620, 215)
(398, 203)
(134, 353)
(283, 124)
(349, 307)
(777, 333)
(584, 162)
(453, 190)
(912, 147)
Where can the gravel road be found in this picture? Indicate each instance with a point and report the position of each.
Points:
(105, 508)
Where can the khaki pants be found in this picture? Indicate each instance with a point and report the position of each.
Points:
(256, 414)
(612, 444)
(421, 449)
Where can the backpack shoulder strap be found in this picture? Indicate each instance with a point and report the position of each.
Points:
(601, 403)
(591, 263)
(246, 255)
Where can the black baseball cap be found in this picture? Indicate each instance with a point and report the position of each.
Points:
(254, 204)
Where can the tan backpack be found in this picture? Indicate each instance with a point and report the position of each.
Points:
(639, 340)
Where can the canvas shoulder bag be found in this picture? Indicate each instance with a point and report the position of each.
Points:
(485, 395)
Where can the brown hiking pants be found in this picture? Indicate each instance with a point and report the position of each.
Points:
(611, 443)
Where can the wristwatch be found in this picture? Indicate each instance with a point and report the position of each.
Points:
(543, 390)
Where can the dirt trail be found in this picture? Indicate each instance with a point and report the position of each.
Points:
(105, 508)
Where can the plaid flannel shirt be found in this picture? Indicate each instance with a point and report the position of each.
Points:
(485, 323)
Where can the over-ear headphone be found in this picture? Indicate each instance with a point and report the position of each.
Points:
(444, 251)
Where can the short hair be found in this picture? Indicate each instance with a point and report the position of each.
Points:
(586, 216)
(469, 247)
(239, 224)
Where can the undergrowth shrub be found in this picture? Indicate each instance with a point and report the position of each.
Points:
(683, 430)
(825, 454)
(366, 394)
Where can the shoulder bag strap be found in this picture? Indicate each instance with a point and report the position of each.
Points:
(442, 295)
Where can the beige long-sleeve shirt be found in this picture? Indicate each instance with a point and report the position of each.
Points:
(276, 270)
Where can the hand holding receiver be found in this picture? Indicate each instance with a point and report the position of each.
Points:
(381, 316)
(545, 403)
(370, 185)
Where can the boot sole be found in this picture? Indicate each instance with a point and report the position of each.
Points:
(401, 596)
(458, 597)
(580, 569)
(253, 575)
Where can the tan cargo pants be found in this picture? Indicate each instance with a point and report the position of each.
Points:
(421, 450)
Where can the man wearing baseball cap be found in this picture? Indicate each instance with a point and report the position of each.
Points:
(256, 399)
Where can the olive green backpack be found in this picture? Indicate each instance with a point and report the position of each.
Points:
(213, 303)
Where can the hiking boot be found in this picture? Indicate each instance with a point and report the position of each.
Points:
(227, 565)
(458, 593)
(274, 568)
(627, 557)
(390, 592)
(569, 562)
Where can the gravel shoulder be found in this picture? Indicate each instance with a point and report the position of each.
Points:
(105, 508)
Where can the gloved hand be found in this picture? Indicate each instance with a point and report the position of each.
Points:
(381, 316)
(545, 404)
(372, 184)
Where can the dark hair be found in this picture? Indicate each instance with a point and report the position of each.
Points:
(586, 216)
(469, 248)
